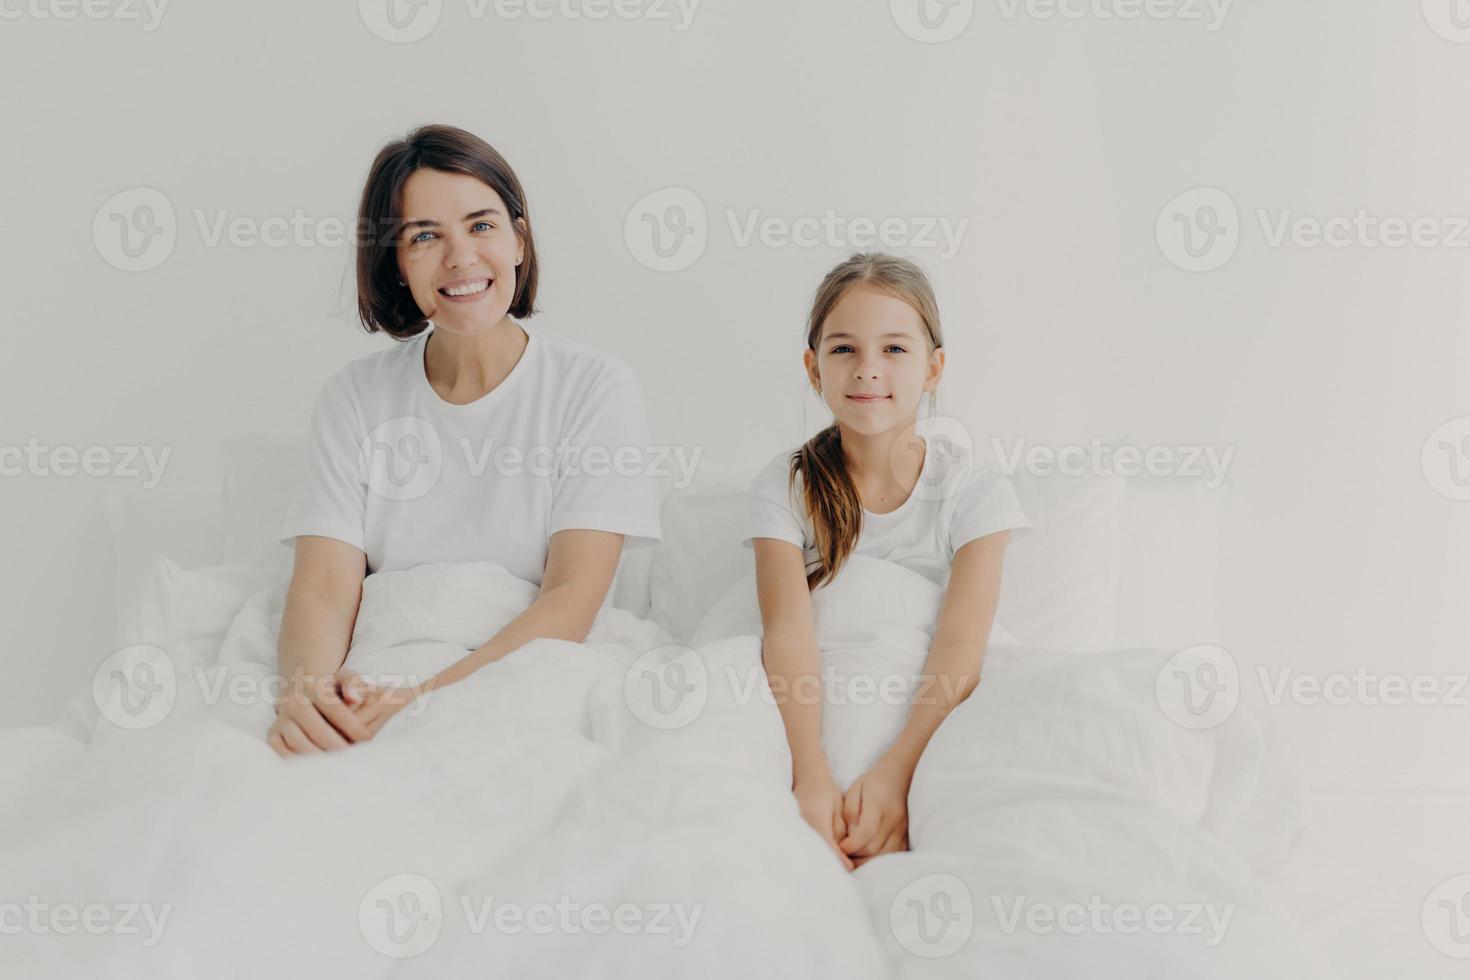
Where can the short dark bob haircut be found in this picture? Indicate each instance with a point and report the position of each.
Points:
(383, 303)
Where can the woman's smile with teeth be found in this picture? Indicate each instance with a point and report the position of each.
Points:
(466, 288)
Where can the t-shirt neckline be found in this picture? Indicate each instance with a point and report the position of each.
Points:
(913, 492)
(491, 397)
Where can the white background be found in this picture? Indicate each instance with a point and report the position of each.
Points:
(1059, 140)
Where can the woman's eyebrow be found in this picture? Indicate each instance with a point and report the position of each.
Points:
(431, 223)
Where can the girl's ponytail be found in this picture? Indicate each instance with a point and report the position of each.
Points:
(831, 500)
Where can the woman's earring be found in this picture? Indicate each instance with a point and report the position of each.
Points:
(933, 402)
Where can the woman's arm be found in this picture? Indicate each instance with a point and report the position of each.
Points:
(579, 570)
(876, 806)
(316, 631)
(793, 665)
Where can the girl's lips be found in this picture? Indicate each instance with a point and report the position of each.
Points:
(870, 398)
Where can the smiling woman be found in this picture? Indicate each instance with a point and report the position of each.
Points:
(393, 477)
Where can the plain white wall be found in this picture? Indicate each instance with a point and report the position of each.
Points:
(1058, 139)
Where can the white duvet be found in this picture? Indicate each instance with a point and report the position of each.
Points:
(621, 808)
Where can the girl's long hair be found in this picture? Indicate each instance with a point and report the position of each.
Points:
(831, 498)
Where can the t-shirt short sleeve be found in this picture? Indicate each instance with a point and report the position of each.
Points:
(330, 500)
(772, 507)
(985, 505)
(608, 480)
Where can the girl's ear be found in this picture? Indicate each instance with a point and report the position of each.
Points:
(809, 358)
(936, 368)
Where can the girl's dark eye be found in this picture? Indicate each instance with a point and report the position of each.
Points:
(841, 349)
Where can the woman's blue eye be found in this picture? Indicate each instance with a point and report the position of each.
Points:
(895, 347)
(479, 223)
(419, 237)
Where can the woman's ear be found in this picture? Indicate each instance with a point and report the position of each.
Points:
(520, 227)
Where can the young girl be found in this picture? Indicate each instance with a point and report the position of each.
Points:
(866, 486)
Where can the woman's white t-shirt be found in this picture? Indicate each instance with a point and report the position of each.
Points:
(956, 500)
(410, 479)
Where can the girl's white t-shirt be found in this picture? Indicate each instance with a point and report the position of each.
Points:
(956, 500)
(410, 479)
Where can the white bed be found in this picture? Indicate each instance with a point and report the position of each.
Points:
(1062, 793)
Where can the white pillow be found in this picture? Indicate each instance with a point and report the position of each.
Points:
(1060, 584)
(144, 525)
(699, 558)
(1173, 532)
(1061, 580)
(186, 612)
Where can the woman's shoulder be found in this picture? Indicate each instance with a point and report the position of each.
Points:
(581, 362)
(371, 371)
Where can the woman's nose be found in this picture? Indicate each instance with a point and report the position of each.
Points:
(461, 253)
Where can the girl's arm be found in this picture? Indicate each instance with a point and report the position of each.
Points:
(579, 570)
(316, 630)
(876, 806)
(793, 665)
